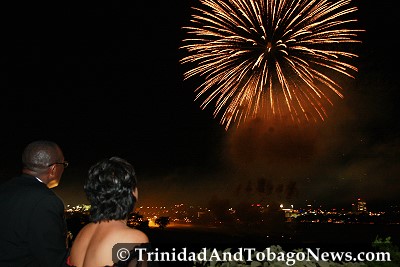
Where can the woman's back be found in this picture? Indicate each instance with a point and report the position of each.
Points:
(111, 188)
(94, 243)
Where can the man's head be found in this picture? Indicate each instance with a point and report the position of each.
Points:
(45, 160)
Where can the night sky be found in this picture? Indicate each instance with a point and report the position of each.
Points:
(104, 79)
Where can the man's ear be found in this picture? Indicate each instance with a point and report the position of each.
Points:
(52, 171)
(51, 177)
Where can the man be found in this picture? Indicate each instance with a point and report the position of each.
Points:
(32, 224)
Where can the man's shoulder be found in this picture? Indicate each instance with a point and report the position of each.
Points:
(22, 179)
(28, 187)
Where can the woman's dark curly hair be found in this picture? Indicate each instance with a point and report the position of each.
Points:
(109, 189)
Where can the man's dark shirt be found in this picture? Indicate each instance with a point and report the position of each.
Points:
(32, 225)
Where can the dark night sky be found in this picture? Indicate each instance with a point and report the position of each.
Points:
(103, 79)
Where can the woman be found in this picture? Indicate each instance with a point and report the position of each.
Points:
(112, 192)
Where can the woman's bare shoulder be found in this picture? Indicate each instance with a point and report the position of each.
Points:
(85, 232)
(135, 236)
(81, 243)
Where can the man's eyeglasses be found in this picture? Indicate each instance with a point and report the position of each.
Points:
(65, 164)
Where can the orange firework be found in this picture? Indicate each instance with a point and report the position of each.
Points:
(270, 58)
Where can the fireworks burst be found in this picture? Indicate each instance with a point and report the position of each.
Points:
(270, 58)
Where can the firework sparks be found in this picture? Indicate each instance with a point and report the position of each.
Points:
(270, 58)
